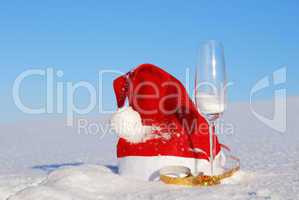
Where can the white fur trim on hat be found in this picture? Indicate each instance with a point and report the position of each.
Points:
(148, 167)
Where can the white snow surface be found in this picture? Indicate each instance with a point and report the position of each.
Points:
(45, 160)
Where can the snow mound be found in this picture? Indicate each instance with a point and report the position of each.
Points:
(99, 182)
(83, 182)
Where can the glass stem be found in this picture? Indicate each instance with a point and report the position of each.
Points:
(211, 130)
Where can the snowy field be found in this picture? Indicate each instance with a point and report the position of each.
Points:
(44, 160)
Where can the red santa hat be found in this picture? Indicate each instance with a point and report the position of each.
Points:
(161, 127)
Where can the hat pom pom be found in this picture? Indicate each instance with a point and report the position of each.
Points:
(127, 123)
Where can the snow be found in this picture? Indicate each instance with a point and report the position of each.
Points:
(43, 159)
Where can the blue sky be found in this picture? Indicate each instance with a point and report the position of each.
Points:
(84, 37)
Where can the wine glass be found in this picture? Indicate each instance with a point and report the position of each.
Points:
(210, 82)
